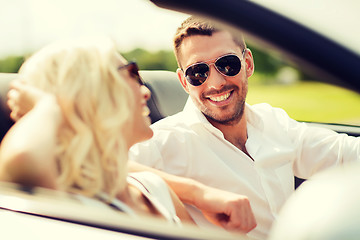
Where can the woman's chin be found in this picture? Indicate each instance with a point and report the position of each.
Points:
(146, 134)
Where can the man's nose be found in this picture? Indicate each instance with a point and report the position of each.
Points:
(215, 79)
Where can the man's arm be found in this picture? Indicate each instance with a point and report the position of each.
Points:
(229, 210)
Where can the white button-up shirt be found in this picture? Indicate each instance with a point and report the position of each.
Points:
(186, 144)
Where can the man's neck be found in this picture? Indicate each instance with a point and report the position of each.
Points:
(235, 133)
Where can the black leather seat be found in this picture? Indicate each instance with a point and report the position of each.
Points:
(5, 121)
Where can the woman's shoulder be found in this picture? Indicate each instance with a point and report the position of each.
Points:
(157, 192)
(148, 180)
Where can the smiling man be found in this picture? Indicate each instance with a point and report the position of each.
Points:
(213, 78)
(221, 141)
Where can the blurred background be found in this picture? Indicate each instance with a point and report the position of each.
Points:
(144, 32)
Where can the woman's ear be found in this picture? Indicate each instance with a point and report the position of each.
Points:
(249, 63)
(182, 79)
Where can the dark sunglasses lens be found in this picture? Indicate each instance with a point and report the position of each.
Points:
(229, 65)
(134, 71)
(197, 74)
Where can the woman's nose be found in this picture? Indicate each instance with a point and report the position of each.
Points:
(145, 92)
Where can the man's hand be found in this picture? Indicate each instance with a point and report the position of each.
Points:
(226, 209)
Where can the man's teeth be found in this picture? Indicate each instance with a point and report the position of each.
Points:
(220, 98)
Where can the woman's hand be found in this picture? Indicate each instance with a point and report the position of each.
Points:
(23, 97)
(27, 152)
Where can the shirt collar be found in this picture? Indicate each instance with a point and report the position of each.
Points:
(193, 115)
(253, 118)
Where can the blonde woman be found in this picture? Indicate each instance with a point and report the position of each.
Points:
(78, 108)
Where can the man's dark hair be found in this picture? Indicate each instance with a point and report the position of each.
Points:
(198, 26)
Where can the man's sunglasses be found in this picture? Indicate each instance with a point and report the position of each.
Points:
(133, 70)
(228, 65)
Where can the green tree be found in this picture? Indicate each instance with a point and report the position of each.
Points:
(160, 60)
(11, 64)
(264, 62)
(163, 60)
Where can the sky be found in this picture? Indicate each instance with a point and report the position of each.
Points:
(26, 25)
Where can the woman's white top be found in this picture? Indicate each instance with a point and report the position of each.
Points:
(152, 187)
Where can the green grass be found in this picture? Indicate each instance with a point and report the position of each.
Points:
(309, 101)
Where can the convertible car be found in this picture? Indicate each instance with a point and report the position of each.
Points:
(286, 27)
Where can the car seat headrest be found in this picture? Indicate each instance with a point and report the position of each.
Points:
(167, 95)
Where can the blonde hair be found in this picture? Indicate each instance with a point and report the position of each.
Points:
(96, 102)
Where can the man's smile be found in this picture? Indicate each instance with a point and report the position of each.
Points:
(220, 98)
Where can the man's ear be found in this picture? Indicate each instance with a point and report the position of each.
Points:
(182, 79)
(249, 63)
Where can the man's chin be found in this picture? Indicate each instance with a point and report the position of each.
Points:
(229, 121)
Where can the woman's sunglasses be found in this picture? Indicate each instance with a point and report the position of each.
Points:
(133, 70)
(228, 65)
